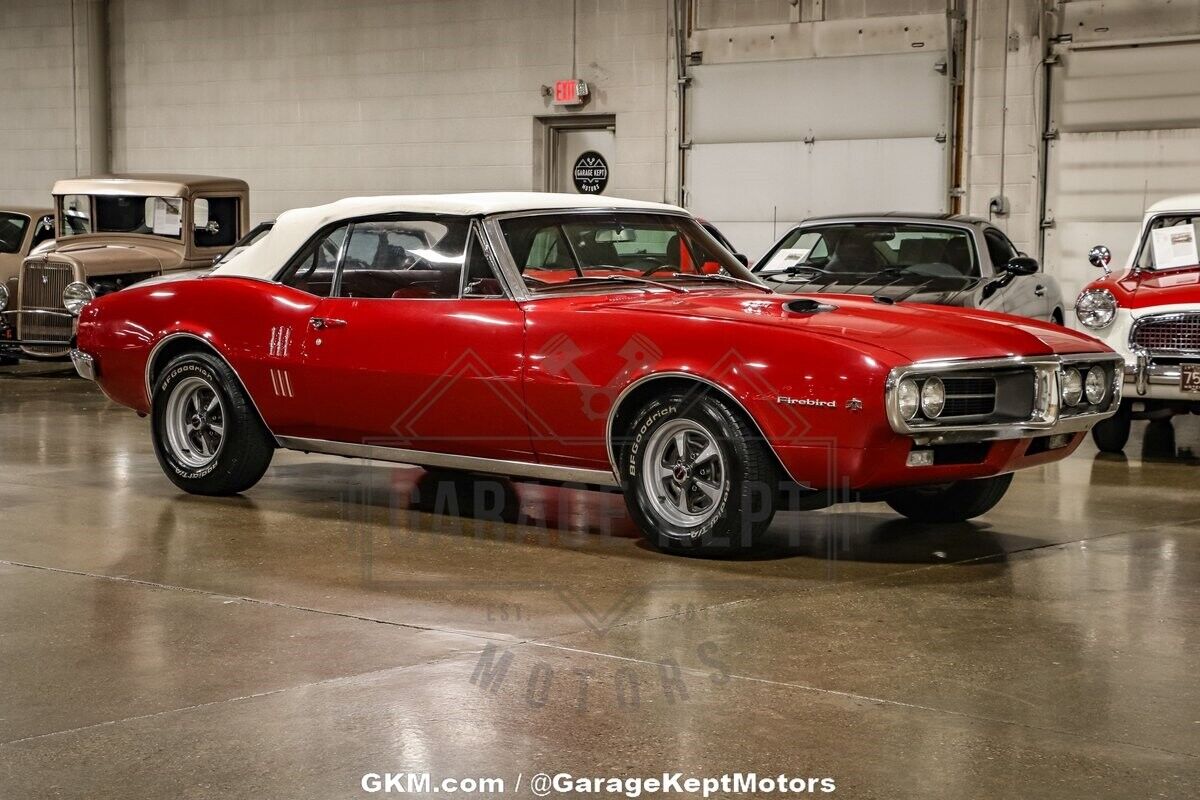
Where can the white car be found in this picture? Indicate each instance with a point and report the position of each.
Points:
(1150, 313)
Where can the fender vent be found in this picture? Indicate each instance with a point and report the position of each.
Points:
(806, 305)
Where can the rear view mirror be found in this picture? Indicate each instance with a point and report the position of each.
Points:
(1022, 265)
(1099, 256)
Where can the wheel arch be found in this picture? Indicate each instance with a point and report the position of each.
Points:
(632, 396)
(176, 344)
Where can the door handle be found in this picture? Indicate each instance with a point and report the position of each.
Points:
(1039, 290)
(321, 323)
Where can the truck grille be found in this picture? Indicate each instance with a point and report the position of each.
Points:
(968, 397)
(1168, 334)
(42, 286)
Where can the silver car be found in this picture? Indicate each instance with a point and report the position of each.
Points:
(943, 259)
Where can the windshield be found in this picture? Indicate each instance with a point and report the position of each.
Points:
(1170, 243)
(250, 238)
(556, 252)
(156, 216)
(863, 249)
(12, 231)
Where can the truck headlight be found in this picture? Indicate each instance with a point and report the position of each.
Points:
(1096, 308)
(3, 297)
(76, 296)
(933, 397)
(908, 398)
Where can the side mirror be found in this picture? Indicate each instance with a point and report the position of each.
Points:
(1022, 265)
(1099, 256)
(741, 257)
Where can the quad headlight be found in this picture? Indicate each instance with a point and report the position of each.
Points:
(76, 296)
(1072, 387)
(1096, 385)
(3, 297)
(908, 398)
(1096, 308)
(933, 397)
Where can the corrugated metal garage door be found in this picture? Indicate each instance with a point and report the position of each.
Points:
(775, 142)
(1128, 123)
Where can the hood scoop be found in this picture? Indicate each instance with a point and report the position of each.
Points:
(806, 305)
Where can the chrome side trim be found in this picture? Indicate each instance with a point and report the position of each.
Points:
(1047, 418)
(616, 405)
(424, 458)
(210, 346)
(85, 365)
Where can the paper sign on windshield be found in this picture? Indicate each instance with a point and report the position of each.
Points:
(1175, 247)
(168, 216)
(787, 257)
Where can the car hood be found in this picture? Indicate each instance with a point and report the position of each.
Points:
(912, 331)
(98, 260)
(1154, 287)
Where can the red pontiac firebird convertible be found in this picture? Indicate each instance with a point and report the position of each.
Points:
(584, 339)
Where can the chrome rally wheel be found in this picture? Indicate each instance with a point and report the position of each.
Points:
(685, 473)
(195, 422)
(208, 436)
(697, 475)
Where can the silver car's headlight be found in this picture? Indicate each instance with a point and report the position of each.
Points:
(3, 297)
(1096, 308)
(76, 296)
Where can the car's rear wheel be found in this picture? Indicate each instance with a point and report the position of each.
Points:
(1111, 435)
(207, 435)
(952, 502)
(698, 478)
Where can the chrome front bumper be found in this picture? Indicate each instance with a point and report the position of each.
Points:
(1156, 381)
(1048, 417)
(85, 365)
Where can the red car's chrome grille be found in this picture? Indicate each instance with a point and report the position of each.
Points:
(968, 397)
(42, 287)
(1168, 334)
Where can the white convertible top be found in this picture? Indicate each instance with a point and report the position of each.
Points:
(264, 258)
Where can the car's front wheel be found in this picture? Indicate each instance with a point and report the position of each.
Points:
(699, 479)
(1111, 435)
(952, 502)
(207, 435)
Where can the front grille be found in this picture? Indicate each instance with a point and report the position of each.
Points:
(1169, 334)
(969, 397)
(42, 286)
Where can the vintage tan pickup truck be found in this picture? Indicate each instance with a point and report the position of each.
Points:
(113, 231)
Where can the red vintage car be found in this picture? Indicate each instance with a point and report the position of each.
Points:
(1149, 311)
(583, 339)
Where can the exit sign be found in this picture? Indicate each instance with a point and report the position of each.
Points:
(570, 92)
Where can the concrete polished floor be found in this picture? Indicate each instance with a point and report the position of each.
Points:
(330, 624)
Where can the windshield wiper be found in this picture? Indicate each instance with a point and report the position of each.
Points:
(727, 278)
(615, 279)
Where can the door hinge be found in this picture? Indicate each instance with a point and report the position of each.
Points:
(1050, 135)
(940, 138)
(941, 67)
(695, 57)
(1048, 222)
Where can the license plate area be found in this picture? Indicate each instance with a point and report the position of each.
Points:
(1189, 377)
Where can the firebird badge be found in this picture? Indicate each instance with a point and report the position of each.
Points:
(805, 401)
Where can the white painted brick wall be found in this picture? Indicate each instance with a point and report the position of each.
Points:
(1004, 116)
(37, 125)
(312, 100)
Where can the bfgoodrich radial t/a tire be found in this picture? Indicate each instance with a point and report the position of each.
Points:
(698, 478)
(207, 435)
(954, 502)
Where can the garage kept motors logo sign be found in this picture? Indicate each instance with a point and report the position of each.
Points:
(590, 173)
